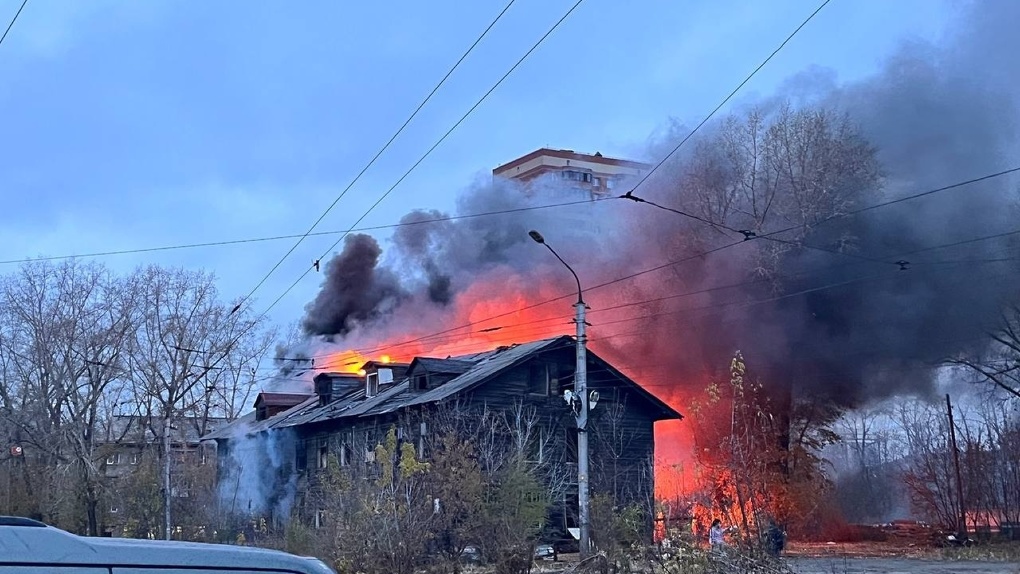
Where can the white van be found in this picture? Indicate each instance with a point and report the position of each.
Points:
(30, 547)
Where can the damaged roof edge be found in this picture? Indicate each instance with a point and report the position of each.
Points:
(397, 395)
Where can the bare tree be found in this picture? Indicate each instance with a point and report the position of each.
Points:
(1001, 367)
(183, 343)
(929, 474)
(67, 325)
(868, 484)
(988, 437)
(769, 169)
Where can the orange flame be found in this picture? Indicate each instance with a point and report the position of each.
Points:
(349, 361)
(502, 308)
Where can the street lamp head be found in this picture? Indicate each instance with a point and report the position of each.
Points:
(536, 236)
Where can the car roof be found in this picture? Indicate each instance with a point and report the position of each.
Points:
(28, 542)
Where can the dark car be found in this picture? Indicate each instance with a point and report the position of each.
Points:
(566, 546)
(471, 555)
(546, 552)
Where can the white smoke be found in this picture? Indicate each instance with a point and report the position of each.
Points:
(257, 475)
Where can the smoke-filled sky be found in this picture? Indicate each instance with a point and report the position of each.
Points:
(144, 124)
(850, 325)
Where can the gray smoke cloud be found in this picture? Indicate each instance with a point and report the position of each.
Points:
(845, 327)
(432, 259)
(935, 116)
(356, 289)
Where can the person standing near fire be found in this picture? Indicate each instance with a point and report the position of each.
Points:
(716, 536)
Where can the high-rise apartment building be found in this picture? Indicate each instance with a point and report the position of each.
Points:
(596, 173)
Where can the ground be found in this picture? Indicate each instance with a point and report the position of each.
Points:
(836, 565)
(873, 558)
(885, 558)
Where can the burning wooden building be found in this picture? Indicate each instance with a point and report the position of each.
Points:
(346, 415)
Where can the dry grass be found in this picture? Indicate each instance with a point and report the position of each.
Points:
(992, 552)
(1000, 552)
(681, 559)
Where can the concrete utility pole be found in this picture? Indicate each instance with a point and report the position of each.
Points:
(581, 390)
(579, 402)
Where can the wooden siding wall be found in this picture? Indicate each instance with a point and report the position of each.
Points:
(620, 432)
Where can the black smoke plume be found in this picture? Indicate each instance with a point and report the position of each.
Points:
(356, 290)
(838, 319)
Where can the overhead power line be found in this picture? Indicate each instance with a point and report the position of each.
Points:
(720, 106)
(294, 236)
(454, 347)
(746, 233)
(635, 187)
(13, 20)
(518, 329)
(434, 146)
(380, 152)
(240, 304)
(714, 250)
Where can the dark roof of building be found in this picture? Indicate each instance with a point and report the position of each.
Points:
(337, 374)
(280, 399)
(487, 366)
(142, 429)
(248, 425)
(471, 370)
(383, 364)
(444, 366)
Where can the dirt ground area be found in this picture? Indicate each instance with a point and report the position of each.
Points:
(873, 565)
(859, 550)
(885, 558)
(858, 558)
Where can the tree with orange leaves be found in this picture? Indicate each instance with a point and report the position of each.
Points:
(760, 463)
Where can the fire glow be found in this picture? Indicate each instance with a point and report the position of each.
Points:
(520, 317)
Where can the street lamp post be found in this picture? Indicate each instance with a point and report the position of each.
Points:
(579, 402)
(16, 451)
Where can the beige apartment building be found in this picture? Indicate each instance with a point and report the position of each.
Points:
(595, 173)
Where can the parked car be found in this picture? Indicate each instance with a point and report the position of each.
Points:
(566, 546)
(958, 540)
(546, 552)
(30, 546)
(471, 555)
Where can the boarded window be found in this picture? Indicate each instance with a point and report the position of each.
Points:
(553, 374)
(538, 449)
(345, 454)
(301, 456)
(369, 448)
(570, 444)
(421, 382)
(538, 380)
(323, 453)
(423, 431)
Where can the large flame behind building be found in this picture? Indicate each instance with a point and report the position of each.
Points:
(835, 327)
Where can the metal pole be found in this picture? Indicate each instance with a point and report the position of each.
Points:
(581, 389)
(166, 476)
(961, 527)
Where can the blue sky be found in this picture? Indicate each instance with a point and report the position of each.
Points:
(131, 123)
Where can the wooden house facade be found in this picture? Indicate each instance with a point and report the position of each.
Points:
(520, 386)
